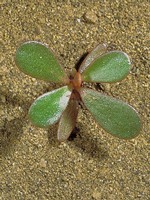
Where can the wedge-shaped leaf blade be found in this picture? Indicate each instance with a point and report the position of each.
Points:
(115, 116)
(68, 120)
(94, 54)
(110, 67)
(38, 61)
(47, 109)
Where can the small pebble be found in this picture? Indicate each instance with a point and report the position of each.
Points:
(96, 195)
(43, 163)
(3, 99)
(90, 17)
(38, 29)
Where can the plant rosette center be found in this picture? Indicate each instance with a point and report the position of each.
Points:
(76, 82)
(75, 85)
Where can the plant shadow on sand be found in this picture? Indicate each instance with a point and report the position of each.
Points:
(88, 144)
(12, 129)
(80, 140)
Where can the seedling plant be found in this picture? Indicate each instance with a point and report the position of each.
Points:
(62, 104)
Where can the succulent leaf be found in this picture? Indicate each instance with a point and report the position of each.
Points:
(94, 54)
(47, 109)
(68, 120)
(115, 116)
(110, 67)
(38, 61)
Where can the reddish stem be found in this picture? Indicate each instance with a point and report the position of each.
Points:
(75, 84)
(76, 81)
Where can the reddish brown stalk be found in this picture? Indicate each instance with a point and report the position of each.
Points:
(75, 84)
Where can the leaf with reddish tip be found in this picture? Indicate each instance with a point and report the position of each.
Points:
(94, 54)
(38, 61)
(115, 116)
(68, 120)
(48, 108)
(110, 67)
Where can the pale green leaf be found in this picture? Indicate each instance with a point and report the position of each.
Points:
(115, 116)
(110, 67)
(38, 61)
(47, 109)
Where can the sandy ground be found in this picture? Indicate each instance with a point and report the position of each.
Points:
(92, 165)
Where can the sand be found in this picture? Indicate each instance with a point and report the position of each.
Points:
(92, 165)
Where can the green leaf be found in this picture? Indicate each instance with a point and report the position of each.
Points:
(47, 109)
(68, 120)
(94, 54)
(115, 116)
(110, 67)
(38, 61)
